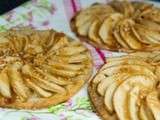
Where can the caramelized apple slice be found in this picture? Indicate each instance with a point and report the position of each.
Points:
(145, 113)
(63, 73)
(70, 59)
(93, 31)
(69, 50)
(88, 13)
(62, 41)
(5, 84)
(108, 98)
(128, 61)
(120, 96)
(133, 97)
(18, 84)
(105, 31)
(128, 68)
(153, 103)
(74, 67)
(36, 88)
(128, 36)
(102, 86)
(50, 86)
(118, 37)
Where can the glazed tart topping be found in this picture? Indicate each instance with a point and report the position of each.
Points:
(123, 26)
(39, 64)
(129, 86)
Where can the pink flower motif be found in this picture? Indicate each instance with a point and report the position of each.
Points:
(52, 9)
(34, 1)
(30, 15)
(69, 103)
(31, 25)
(62, 116)
(45, 23)
(35, 118)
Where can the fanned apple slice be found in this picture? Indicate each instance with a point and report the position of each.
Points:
(49, 42)
(93, 31)
(128, 36)
(83, 29)
(140, 9)
(28, 70)
(153, 103)
(133, 97)
(128, 8)
(128, 68)
(135, 56)
(108, 98)
(150, 24)
(105, 31)
(145, 55)
(18, 84)
(87, 14)
(4, 84)
(46, 85)
(102, 86)
(63, 41)
(62, 73)
(118, 37)
(156, 58)
(74, 67)
(69, 50)
(120, 95)
(152, 14)
(36, 88)
(99, 77)
(145, 113)
(128, 61)
(70, 59)
(148, 36)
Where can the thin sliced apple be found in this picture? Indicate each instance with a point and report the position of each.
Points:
(153, 103)
(133, 97)
(120, 95)
(118, 37)
(83, 29)
(99, 77)
(150, 24)
(36, 88)
(128, 8)
(148, 36)
(93, 31)
(108, 98)
(102, 86)
(5, 85)
(145, 113)
(88, 13)
(105, 31)
(128, 36)
(129, 69)
(127, 61)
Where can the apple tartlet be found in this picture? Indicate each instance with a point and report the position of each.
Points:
(127, 87)
(119, 26)
(39, 68)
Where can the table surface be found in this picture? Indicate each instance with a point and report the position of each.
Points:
(47, 14)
